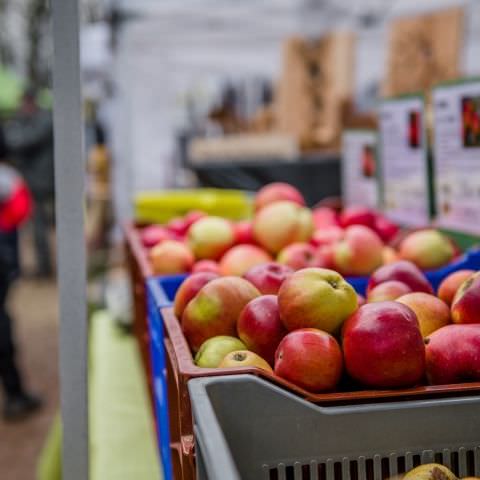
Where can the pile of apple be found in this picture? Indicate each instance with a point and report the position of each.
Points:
(354, 242)
(311, 328)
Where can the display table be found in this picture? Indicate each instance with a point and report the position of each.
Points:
(122, 435)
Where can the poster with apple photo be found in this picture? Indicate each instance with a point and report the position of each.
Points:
(359, 168)
(403, 154)
(457, 155)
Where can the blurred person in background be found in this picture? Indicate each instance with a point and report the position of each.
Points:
(15, 208)
(30, 139)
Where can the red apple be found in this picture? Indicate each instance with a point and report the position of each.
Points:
(210, 237)
(316, 297)
(357, 216)
(238, 260)
(385, 229)
(275, 192)
(450, 284)
(268, 277)
(244, 232)
(281, 223)
(215, 309)
(324, 217)
(297, 255)
(453, 354)
(327, 236)
(192, 217)
(402, 271)
(177, 226)
(324, 257)
(189, 288)
(309, 358)
(466, 303)
(259, 326)
(170, 257)
(390, 290)
(383, 346)
(428, 249)
(206, 266)
(153, 235)
(360, 252)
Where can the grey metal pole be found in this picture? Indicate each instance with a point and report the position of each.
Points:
(69, 186)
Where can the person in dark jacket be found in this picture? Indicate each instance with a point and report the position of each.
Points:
(30, 139)
(15, 207)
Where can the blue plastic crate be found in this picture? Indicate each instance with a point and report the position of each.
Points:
(160, 293)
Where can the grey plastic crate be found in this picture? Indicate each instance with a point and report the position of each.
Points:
(246, 428)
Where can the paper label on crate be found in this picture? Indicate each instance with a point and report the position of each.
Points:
(457, 156)
(359, 168)
(403, 154)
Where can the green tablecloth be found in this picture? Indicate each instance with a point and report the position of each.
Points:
(122, 436)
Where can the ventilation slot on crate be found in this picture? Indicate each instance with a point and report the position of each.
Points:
(463, 462)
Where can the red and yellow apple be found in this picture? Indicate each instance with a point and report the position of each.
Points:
(210, 237)
(216, 308)
(243, 232)
(206, 266)
(357, 215)
(453, 354)
(276, 192)
(390, 290)
(309, 358)
(449, 286)
(316, 297)
(281, 223)
(327, 236)
(432, 313)
(466, 303)
(389, 255)
(324, 217)
(383, 346)
(268, 277)
(241, 258)
(245, 359)
(428, 249)
(189, 288)
(260, 328)
(297, 255)
(360, 251)
(213, 351)
(170, 257)
(153, 235)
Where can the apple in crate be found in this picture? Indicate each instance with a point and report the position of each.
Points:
(360, 251)
(189, 288)
(453, 354)
(466, 303)
(153, 235)
(243, 232)
(385, 229)
(275, 192)
(432, 313)
(171, 257)
(241, 258)
(357, 216)
(428, 249)
(316, 297)
(403, 271)
(211, 237)
(280, 224)
(206, 266)
(245, 359)
(324, 217)
(213, 351)
(297, 255)
(260, 328)
(268, 277)
(215, 309)
(309, 358)
(449, 286)
(383, 346)
(430, 471)
(327, 236)
(390, 290)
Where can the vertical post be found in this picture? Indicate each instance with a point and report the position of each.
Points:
(69, 186)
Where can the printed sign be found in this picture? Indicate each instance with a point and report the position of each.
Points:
(403, 154)
(457, 156)
(359, 168)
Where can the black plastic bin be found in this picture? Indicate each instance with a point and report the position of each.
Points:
(246, 428)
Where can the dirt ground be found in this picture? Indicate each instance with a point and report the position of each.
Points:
(34, 308)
